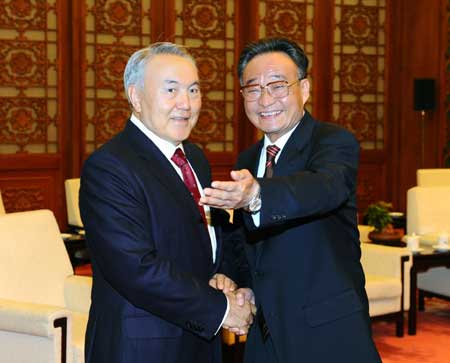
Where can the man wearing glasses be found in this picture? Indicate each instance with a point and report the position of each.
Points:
(295, 194)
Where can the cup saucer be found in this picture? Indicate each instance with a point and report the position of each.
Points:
(441, 248)
(416, 250)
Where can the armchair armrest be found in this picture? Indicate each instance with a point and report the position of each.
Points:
(384, 260)
(32, 319)
(77, 293)
(394, 262)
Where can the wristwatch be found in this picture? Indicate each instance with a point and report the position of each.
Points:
(254, 206)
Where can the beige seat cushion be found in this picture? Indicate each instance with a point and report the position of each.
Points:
(381, 287)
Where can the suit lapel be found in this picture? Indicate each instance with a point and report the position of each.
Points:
(254, 156)
(165, 173)
(292, 159)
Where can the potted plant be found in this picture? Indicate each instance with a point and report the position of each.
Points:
(378, 215)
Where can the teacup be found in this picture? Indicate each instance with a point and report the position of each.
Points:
(412, 242)
(443, 241)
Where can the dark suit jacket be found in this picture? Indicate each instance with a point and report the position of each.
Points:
(305, 257)
(151, 257)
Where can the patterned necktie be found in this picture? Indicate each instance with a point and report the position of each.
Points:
(271, 153)
(189, 179)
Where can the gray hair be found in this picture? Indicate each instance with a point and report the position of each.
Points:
(135, 68)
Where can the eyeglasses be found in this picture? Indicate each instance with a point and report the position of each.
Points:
(277, 89)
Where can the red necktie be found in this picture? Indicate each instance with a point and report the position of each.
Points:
(271, 153)
(189, 179)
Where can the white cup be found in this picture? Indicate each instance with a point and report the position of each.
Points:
(443, 240)
(412, 242)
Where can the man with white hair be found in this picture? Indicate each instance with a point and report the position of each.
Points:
(155, 251)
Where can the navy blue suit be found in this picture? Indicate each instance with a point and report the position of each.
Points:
(305, 257)
(151, 257)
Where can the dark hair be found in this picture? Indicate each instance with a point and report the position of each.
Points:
(268, 45)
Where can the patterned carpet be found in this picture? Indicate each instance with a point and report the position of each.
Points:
(431, 344)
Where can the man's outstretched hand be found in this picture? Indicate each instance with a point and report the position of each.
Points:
(233, 194)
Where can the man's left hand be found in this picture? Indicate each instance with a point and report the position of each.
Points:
(233, 194)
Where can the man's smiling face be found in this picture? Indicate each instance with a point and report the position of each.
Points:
(275, 116)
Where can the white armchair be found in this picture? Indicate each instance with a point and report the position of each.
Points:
(364, 231)
(387, 275)
(2, 207)
(428, 211)
(428, 214)
(433, 177)
(43, 306)
(72, 188)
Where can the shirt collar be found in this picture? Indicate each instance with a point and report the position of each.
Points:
(282, 140)
(166, 147)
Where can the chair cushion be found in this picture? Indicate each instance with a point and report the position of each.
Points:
(435, 280)
(382, 287)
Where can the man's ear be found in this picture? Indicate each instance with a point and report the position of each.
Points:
(134, 94)
(305, 89)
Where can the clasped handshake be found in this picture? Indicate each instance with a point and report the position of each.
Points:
(241, 304)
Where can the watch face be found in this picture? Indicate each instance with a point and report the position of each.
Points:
(255, 206)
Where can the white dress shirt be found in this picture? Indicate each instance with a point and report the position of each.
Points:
(262, 162)
(168, 149)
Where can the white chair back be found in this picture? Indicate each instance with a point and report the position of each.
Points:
(364, 231)
(428, 210)
(72, 187)
(2, 207)
(433, 177)
(33, 259)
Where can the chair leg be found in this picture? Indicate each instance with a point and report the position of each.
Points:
(399, 325)
(421, 300)
(62, 323)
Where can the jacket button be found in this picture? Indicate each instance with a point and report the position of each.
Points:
(258, 274)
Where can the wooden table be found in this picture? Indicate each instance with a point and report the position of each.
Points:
(422, 262)
(76, 248)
